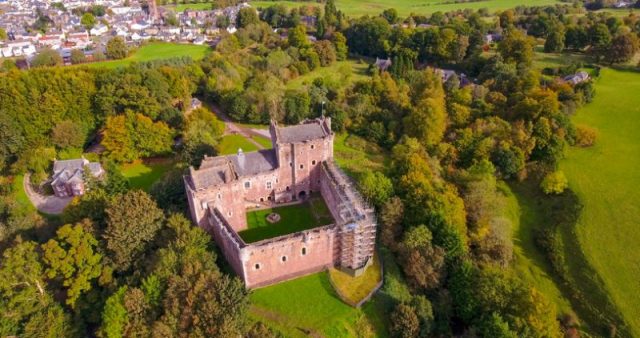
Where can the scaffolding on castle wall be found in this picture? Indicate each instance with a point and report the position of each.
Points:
(358, 220)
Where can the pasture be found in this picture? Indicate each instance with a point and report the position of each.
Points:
(341, 71)
(155, 51)
(606, 179)
(357, 8)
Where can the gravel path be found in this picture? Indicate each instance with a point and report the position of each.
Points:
(48, 204)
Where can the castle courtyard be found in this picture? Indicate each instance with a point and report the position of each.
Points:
(308, 214)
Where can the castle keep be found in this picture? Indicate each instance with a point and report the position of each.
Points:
(300, 164)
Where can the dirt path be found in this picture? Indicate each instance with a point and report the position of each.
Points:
(232, 128)
(52, 205)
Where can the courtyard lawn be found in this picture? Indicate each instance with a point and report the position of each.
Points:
(308, 306)
(155, 51)
(341, 71)
(293, 218)
(357, 8)
(355, 289)
(606, 179)
(230, 143)
(143, 173)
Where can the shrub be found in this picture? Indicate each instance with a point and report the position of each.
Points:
(554, 183)
(585, 135)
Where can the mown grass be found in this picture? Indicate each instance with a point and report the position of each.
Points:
(293, 218)
(143, 173)
(343, 72)
(308, 306)
(231, 143)
(606, 179)
(263, 141)
(355, 289)
(155, 51)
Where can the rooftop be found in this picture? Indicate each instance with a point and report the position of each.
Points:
(309, 130)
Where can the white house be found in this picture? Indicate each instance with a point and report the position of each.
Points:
(99, 30)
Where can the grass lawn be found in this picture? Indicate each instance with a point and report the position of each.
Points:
(606, 178)
(551, 60)
(230, 143)
(356, 289)
(293, 218)
(263, 141)
(406, 7)
(342, 71)
(143, 173)
(308, 306)
(19, 195)
(529, 263)
(355, 154)
(155, 51)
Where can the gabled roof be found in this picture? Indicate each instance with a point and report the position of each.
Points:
(311, 130)
(254, 163)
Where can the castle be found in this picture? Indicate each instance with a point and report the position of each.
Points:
(301, 163)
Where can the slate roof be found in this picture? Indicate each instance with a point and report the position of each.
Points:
(69, 171)
(302, 132)
(213, 171)
(249, 164)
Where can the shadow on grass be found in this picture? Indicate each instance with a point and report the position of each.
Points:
(556, 239)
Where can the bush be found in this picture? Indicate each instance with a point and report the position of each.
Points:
(554, 183)
(585, 135)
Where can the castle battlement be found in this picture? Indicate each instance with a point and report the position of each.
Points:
(224, 188)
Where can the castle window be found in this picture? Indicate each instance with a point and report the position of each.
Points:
(257, 266)
(284, 259)
(304, 251)
(261, 199)
(269, 185)
(288, 188)
(302, 166)
(229, 213)
(290, 164)
(247, 185)
(219, 196)
(312, 146)
(313, 162)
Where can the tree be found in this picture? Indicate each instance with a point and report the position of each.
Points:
(88, 20)
(326, 52)
(116, 48)
(117, 142)
(391, 222)
(555, 41)
(422, 263)
(77, 57)
(554, 183)
(68, 134)
(150, 138)
(247, 16)
(391, 15)
(114, 316)
(427, 119)
(600, 39)
(376, 187)
(585, 135)
(297, 37)
(340, 44)
(297, 106)
(133, 219)
(202, 133)
(73, 259)
(47, 57)
(623, 47)
(3, 34)
(404, 322)
(516, 47)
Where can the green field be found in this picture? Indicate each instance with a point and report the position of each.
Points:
(406, 7)
(142, 174)
(529, 263)
(308, 306)
(355, 154)
(606, 179)
(293, 218)
(341, 71)
(156, 51)
(230, 143)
